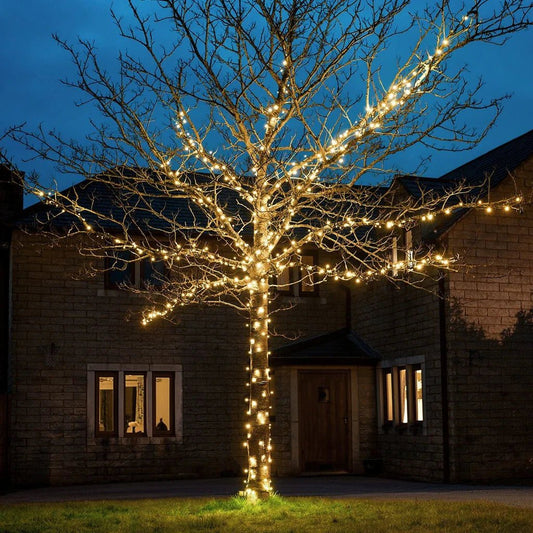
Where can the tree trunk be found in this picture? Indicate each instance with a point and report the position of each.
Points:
(258, 440)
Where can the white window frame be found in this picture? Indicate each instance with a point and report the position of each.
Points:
(148, 370)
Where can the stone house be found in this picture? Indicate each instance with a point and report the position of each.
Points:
(431, 384)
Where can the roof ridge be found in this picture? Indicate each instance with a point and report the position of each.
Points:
(487, 155)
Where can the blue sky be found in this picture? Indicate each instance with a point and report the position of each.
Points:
(32, 64)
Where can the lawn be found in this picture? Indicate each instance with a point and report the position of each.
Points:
(283, 515)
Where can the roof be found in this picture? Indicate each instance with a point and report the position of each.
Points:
(341, 347)
(497, 163)
(158, 208)
(480, 174)
(485, 171)
(155, 214)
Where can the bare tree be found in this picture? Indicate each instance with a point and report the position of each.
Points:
(259, 119)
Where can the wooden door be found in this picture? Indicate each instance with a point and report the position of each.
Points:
(324, 420)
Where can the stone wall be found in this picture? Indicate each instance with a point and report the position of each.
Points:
(490, 341)
(64, 321)
(402, 322)
(488, 334)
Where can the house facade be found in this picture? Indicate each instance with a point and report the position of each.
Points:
(471, 336)
(431, 383)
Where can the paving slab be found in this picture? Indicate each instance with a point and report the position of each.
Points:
(320, 486)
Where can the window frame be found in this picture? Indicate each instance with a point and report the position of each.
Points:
(110, 267)
(295, 284)
(385, 397)
(403, 397)
(143, 280)
(289, 289)
(172, 431)
(136, 433)
(414, 369)
(394, 369)
(314, 288)
(135, 272)
(96, 384)
(118, 371)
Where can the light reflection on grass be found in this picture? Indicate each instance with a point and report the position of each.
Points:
(281, 515)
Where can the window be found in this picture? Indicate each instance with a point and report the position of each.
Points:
(152, 272)
(299, 280)
(123, 269)
(404, 244)
(307, 276)
(132, 403)
(388, 411)
(119, 270)
(163, 387)
(402, 394)
(106, 404)
(404, 409)
(284, 281)
(418, 392)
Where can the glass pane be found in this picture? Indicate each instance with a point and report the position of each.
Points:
(153, 272)
(307, 277)
(389, 414)
(403, 396)
(163, 387)
(134, 403)
(106, 403)
(419, 405)
(121, 270)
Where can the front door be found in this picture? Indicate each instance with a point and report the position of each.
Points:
(324, 420)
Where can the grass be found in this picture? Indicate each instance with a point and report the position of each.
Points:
(281, 515)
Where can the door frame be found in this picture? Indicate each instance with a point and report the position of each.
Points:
(354, 460)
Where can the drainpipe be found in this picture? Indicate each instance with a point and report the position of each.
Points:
(444, 381)
(10, 208)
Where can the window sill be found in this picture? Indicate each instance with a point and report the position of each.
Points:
(121, 441)
(416, 428)
(387, 427)
(401, 428)
(302, 299)
(116, 292)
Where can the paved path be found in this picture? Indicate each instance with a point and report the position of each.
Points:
(328, 486)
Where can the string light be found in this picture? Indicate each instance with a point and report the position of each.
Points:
(274, 199)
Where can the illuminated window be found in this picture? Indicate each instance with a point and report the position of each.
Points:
(418, 390)
(134, 404)
(404, 408)
(106, 404)
(402, 393)
(163, 405)
(131, 403)
(388, 413)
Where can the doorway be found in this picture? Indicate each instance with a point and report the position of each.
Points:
(324, 420)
